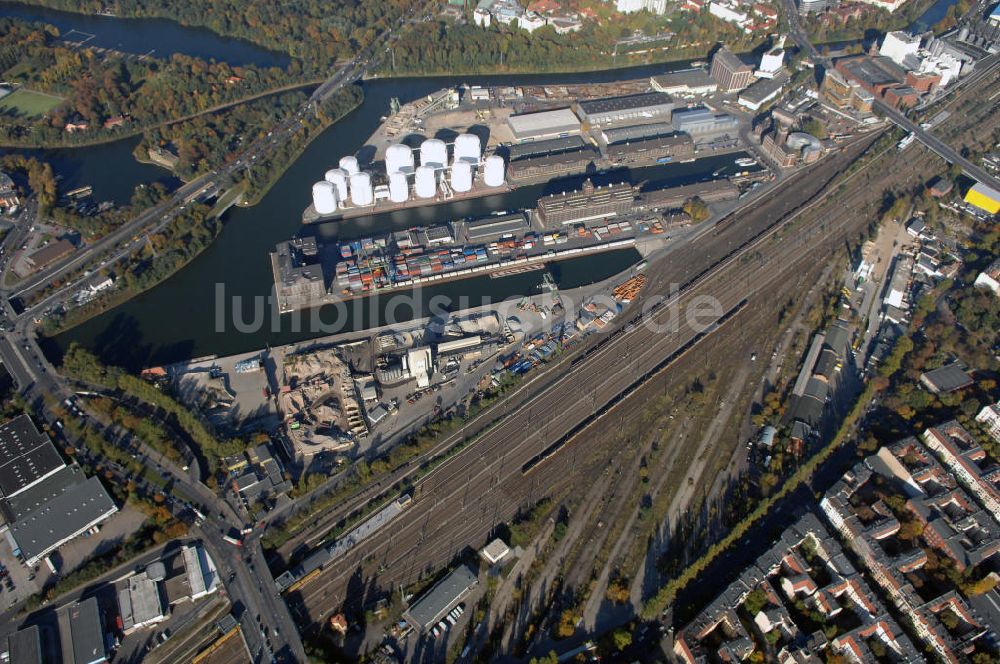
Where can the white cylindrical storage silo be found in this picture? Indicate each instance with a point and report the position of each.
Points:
(350, 164)
(433, 153)
(361, 189)
(338, 177)
(398, 158)
(399, 189)
(324, 197)
(493, 171)
(425, 183)
(461, 176)
(467, 148)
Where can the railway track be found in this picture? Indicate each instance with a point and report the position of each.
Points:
(534, 386)
(461, 500)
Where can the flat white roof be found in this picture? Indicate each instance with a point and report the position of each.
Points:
(560, 118)
(495, 551)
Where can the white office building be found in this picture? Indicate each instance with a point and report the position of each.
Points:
(631, 6)
(989, 417)
(897, 45)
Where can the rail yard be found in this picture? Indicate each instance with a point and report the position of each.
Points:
(594, 345)
(485, 479)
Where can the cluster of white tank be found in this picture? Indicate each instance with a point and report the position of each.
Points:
(348, 183)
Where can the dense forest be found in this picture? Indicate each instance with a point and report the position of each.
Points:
(316, 31)
(98, 89)
(209, 141)
(440, 46)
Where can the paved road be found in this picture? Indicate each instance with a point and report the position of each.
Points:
(483, 484)
(943, 150)
(984, 67)
(267, 625)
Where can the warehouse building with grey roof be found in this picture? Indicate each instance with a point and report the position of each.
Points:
(543, 124)
(73, 512)
(685, 82)
(442, 598)
(27, 456)
(626, 108)
(44, 502)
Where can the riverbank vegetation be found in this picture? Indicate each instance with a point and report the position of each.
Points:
(84, 365)
(867, 22)
(163, 253)
(108, 96)
(211, 141)
(317, 32)
(40, 177)
(441, 47)
(263, 173)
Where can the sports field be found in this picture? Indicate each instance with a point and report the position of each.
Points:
(28, 103)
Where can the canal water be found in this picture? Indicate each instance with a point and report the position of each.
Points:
(109, 168)
(159, 37)
(932, 15)
(180, 318)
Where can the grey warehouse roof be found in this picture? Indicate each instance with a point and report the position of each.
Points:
(633, 132)
(26, 455)
(62, 518)
(34, 497)
(540, 122)
(441, 598)
(479, 229)
(546, 147)
(25, 646)
(947, 378)
(690, 78)
(761, 90)
(80, 625)
(625, 102)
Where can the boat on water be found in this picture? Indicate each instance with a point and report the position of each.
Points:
(746, 162)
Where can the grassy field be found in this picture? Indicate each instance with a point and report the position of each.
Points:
(28, 103)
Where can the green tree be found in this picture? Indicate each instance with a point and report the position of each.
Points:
(696, 209)
(621, 638)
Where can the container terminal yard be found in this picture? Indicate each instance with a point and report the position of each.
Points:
(590, 219)
(467, 143)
